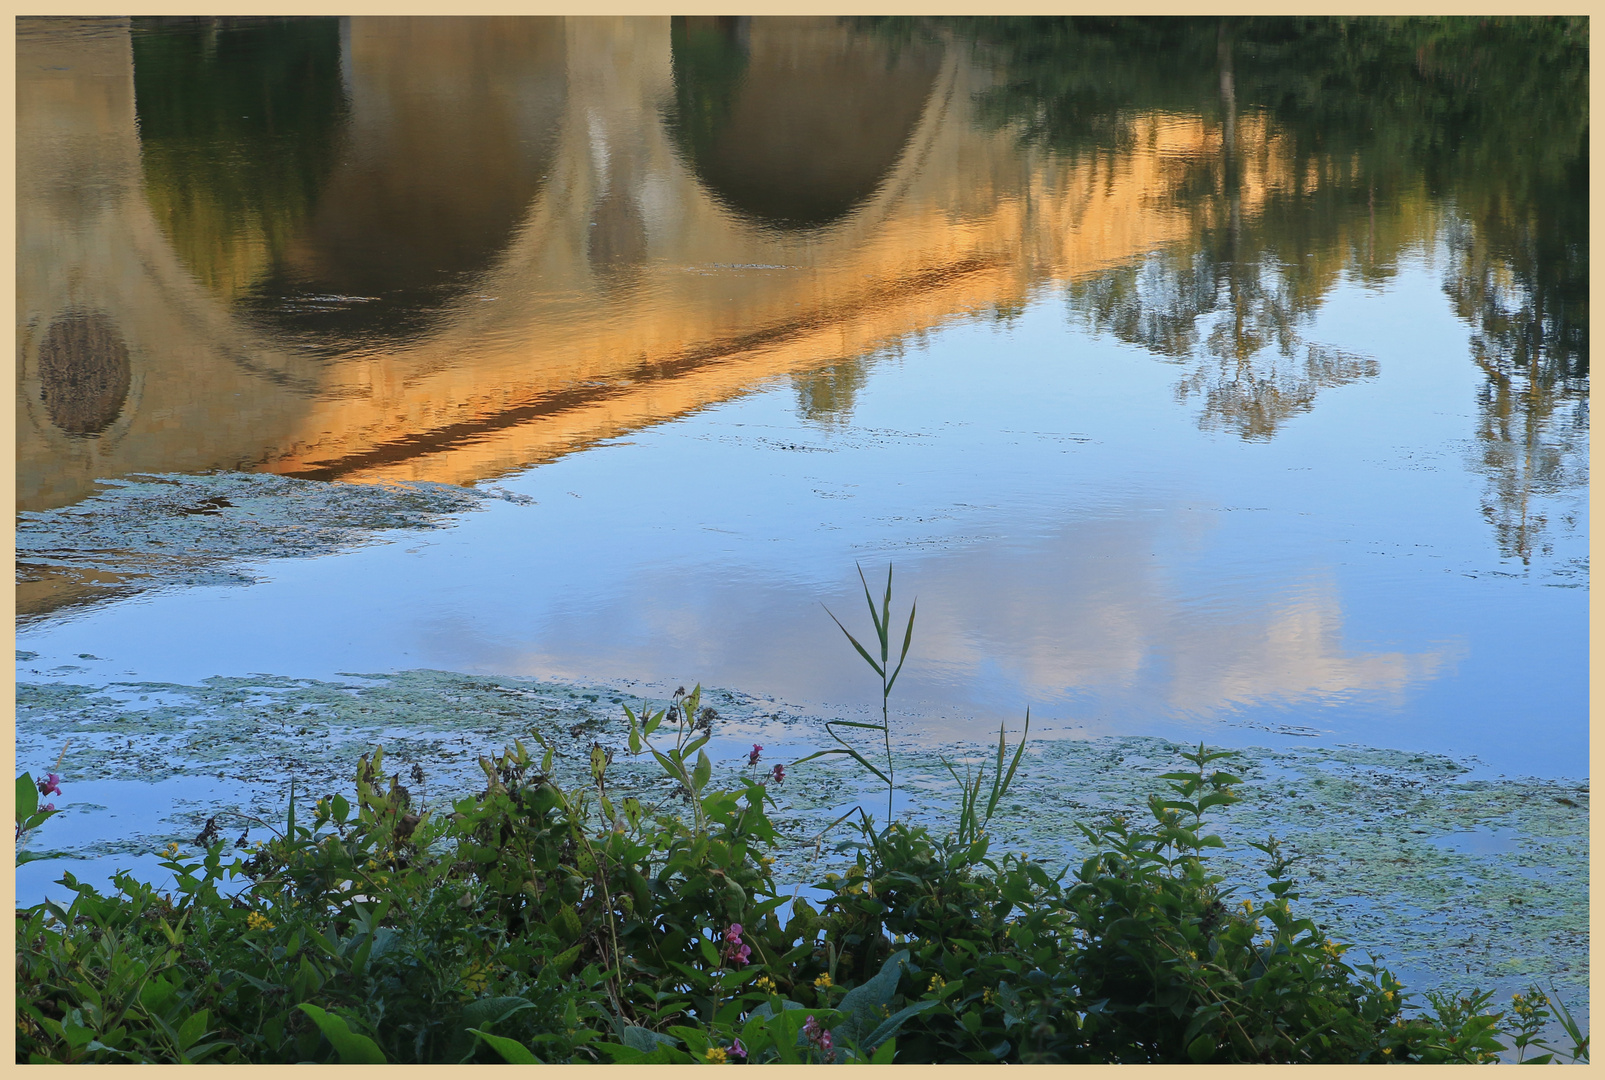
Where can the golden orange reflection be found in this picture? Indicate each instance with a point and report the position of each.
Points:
(606, 281)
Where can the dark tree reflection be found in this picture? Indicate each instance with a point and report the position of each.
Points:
(826, 397)
(1355, 141)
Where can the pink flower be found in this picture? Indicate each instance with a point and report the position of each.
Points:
(818, 1037)
(778, 773)
(736, 951)
(736, 1050)
(50, 806)
(752, 758)
(50, 785)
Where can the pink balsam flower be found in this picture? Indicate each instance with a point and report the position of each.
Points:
(736, 951)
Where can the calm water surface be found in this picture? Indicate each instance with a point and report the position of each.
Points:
(1222, 383)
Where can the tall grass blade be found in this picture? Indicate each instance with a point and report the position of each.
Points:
(874, 616)
(908, 636)
(850, 752)
(886, 616)
(861, 650)
(1002, 789)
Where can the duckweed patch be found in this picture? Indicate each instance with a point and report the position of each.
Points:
(1386, 840)
(170, 529)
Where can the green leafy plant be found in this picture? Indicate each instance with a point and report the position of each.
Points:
(532, 922)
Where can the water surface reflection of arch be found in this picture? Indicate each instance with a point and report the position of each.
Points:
(626, 294)
(788, 130)
(340, 180)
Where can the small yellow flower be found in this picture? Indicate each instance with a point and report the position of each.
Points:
(717, 1055)
(989, 996)
(765, 983)
(172, 850)
(936, 983)
(257, 921)
(822, 983)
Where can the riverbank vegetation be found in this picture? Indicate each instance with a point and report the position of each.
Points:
(528, 921)
(532, 923)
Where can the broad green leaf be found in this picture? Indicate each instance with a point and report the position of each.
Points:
(27, 797)
(862, 1003)
(645, 1039)
(1204, 1017)
(32, 856)
(191, 1031)
(515, 1052)
(890, 1025)
(704, 770)
(487, 1012)
(353, 1047)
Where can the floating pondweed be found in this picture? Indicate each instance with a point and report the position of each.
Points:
(1369, 825)
(155, 530)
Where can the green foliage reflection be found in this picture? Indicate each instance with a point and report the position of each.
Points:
(239, 124)
(1473, 130)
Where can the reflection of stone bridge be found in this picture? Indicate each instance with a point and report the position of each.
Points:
(612, 269)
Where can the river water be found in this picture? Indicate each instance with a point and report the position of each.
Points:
(1203, 381)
